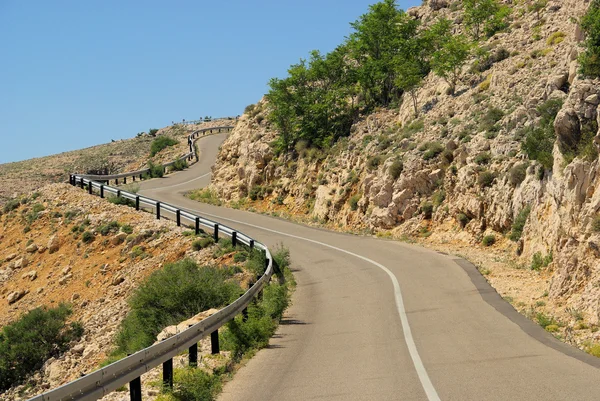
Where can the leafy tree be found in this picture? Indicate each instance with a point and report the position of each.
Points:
(537, 7)
(449, 60)
(409, 78)
(590, 59)
(484, 15)
(379, 37)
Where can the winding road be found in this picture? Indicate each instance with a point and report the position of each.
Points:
(374, 319)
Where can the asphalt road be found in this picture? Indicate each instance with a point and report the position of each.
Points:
(374, 319)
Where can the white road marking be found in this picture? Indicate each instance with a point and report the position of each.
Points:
(408, 337)
(177, 185)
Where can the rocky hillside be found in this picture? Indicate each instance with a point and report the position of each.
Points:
(470, 173)
(62, 245)
(116, 157)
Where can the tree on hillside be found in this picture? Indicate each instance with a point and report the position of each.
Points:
(312, 103)
(537, 7)
(449, 60)
(484, 16)
(379, 37)
(590, 59)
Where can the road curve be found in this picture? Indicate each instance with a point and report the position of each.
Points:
(375, 319)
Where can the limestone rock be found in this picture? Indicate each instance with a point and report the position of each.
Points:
(170, 331)
(53, 244)
(31, 248)
(15, 296)
(32, 275)
(568, 129)
(118, 239)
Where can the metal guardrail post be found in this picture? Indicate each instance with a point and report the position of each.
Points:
(245, 315)
(135, 390)
(141, 177)
(216, 232)
(158, 210)
(116, 181)
(118, 193)
(81, 182)
(168, 374)
(124, 180)
(251, 244)
(197, 225)
(178, 217)
(102, 191)
(234, 238)
(193, 355)
(214, 342)
(137, 202)
(90, 186)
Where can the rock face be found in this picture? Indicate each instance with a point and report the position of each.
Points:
(53, 244)
(480, 181)
(170, 331)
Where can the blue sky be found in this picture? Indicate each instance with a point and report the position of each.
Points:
(79, 73)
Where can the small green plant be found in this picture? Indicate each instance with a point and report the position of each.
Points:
(396, 169)
(87, 237)
(483, 158)
(205, 196)
(517, 174)
(179, 165)
(463, 219)
(353, 202)
(431, 150)
(427, 210)
(373, 162)
(538, 262)
(519, 224)
(121, 201)
(155, 170)
(127, 229)
(489, 240)
(161, 143)
(11, 205)
(152, 131)
(555, 38)
(202, 243)
(486, 179)
(193, 384)
(109, 228)
(544, 320)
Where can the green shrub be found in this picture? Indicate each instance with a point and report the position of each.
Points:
(396, 168)
(412, 128)
(193, 384)
(161, 143)
(170, 295)
(463, 219)
(353, 202)
(489, 240)
(11, 205)
(373, 162)
(538, 262)
(517, 174)
(205, 196)
(152, 131)
(256, 192)
(120, 201)
(486, 179)
(555, 38)
(263, 316)
(431, 150)
(179, 165)
(202, 243)
(27, 343)
(155, 170)
(519, 224)
(438, 197)
(483, 158)
(427, 210)
(87, 237)
(109, 228)
(544, 320)
(127, 229)
(539, 139)
(589, 60)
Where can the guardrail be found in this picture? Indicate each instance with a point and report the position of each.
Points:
(129, 370)
(140, 173)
